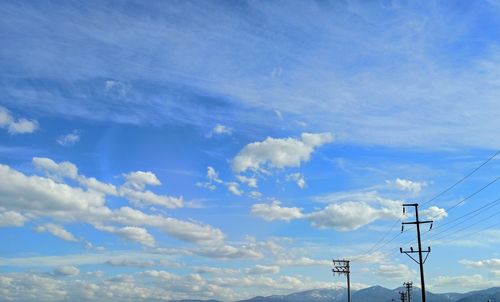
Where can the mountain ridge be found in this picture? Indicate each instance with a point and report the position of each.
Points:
(377, 294)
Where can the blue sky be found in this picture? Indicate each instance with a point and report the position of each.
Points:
(221, 149)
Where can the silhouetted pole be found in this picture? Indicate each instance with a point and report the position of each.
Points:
(420, 261)
(408, 286)
(341, 267)
(402, 296)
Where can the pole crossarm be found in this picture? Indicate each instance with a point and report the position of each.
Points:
(427, 252)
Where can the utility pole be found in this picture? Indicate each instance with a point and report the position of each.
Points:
(408, 286)
(341, 267)
(420, 260)
(402, 296)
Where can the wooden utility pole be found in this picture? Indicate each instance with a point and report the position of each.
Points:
(408, 286)
(402, 296)
(420, 260)
(341, 267)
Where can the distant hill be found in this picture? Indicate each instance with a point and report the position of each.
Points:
(378, 294)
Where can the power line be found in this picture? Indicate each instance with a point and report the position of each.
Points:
(477, 212)
(470, 234)
(471, 195)
(469, 226)
(462, 179)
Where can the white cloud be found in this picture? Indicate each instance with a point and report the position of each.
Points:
(493, 263)
(63, 169)
(18, 126)
(221, 130)
(67, 271)
(56, 170)
(278, 152)
(11, 218)
(68, 139)
(462, 283)
(57, 231)
(302, 261)
(23, 126)
(407, 185)
(184, 230)
(139, 179)
(140, 198)
(350, 215)
(5, 117)
(134, 234)
(246, 251)
(234, 188)
(41, 196)
(116, 89)
(249, 181)
(275, 211)
(255, 194)
(213, 178)
(93, 184)
(212, 175)
(434, 213)
(298, 178)
(130, 233)
(130, 263)
(263, 269)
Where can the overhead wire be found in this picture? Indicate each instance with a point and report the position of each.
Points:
(374, 248)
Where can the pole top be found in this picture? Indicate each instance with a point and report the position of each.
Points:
(410, 204)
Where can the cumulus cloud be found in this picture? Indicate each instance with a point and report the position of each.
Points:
(18, 126)
(298, 178)
(52, 198)
(184, 230)
(11, 219)
(275, 211)
(57, 231)
(279, 152)
(140, 198)
(68, 139)
(407, 185)
(349, 215)
(42, 195)
(342, 216)
(23, 126)
(249, 181)
(131, 233)
(139, 179)
(133, 189)
(434, 213)
(67, 271)
(234, 188)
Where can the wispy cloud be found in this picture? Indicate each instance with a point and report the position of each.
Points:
(343, 69)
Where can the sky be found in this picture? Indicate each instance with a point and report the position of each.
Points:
(167, 150)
